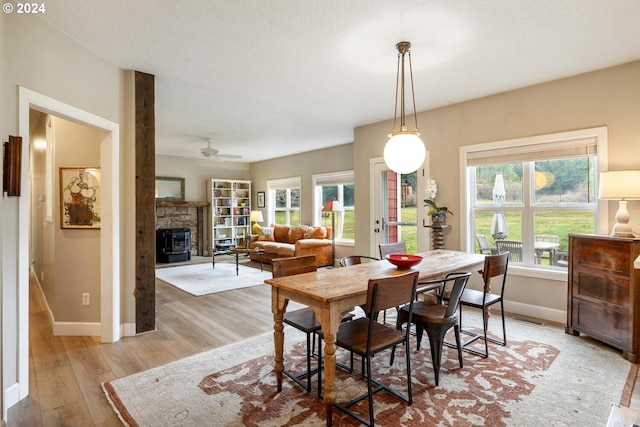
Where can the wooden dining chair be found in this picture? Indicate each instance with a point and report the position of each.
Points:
(366, 337)
(494, 266)
(392, 248)
(303, 319)
(437, 319)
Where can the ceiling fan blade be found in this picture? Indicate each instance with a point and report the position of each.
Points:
(230, 156)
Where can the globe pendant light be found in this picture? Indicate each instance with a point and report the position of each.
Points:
(405, 151)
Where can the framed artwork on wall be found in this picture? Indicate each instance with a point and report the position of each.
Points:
(80, 197)
(261, 199)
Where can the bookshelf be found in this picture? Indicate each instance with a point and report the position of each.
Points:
(230, 202)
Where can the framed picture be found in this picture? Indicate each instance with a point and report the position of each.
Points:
(261, 199)
(80, 197)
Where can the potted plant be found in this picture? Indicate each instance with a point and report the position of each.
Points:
(437, 213)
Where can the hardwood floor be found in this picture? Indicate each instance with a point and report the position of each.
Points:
(65, 373)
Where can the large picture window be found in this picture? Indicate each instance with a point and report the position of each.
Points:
(336, 186)
(527, 195)
(284, 201)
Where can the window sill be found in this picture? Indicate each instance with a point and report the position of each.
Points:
(539, 273)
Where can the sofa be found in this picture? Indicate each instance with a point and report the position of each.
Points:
(283, 241)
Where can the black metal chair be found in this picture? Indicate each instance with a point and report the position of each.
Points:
(303, 319)
(494, 266)
(437, 319)
(366, 337)
(355, 259)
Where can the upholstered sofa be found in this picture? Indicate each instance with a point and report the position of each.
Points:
(282, 241)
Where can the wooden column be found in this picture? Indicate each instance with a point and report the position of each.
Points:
(145, 165)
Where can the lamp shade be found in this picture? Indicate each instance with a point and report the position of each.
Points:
(256, 216)
(620, 185)
(333, 206)
(404, 152)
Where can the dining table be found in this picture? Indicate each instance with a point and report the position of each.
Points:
(332, 292)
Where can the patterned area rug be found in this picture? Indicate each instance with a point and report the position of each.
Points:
(543, 377)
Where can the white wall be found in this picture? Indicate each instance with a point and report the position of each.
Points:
(45, 61)
(609, 97)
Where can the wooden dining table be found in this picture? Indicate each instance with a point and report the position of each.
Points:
(333, 292)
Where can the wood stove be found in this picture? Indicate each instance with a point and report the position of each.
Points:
(173, 245)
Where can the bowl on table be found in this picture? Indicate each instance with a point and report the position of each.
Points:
(404, 261)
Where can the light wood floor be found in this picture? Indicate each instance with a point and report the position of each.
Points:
(66, 372)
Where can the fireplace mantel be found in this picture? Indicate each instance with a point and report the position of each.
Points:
(181, 203)
(166, 205)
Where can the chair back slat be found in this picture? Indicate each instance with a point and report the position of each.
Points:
(460, 281)
(392, 248)
(495, 265)
(355, 260)
(390, 292)
(295, 265)
(514, 248)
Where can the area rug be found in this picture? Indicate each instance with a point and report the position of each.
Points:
(542, 377)
(203, 279)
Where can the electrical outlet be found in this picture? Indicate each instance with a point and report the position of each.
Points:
(86, 299)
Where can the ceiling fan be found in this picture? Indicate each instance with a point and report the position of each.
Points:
(213, 154)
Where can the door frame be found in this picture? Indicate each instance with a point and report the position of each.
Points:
(424, 238)
(109, 230)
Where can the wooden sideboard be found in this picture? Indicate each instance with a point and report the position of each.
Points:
(604, 291)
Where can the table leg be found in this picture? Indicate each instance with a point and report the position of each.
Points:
(213, 257)
(330, 320)
(278, 308)
(237, 255)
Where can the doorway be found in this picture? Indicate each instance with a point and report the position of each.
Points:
(109, 232)
(397, 208)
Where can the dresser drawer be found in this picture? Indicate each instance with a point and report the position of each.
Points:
(606, 325)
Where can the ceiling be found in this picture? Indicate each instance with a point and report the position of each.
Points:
(268, 78)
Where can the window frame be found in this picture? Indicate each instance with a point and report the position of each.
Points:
(523, 146)
(283, 184)
(333, 178)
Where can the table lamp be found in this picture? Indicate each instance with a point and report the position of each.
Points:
(255, 217)
(622, 186)
(333, 206)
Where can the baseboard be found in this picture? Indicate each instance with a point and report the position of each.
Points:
(80, 329)
(128, 329)
(11, 397)
(544, 313)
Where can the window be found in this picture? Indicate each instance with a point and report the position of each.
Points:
(336, 186)
(284, 201)
(527, 195)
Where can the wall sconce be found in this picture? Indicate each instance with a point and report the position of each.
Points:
(622, 186)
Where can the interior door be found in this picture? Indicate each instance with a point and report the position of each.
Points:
(395, 208)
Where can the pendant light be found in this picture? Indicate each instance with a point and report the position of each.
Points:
(405, 151)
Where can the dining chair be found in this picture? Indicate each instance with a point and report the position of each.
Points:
(356, 259)
(485, 248)
(392, 248)
(366, 337)
(514, 248)
(302, 319)
(437, 319)
(494, 266)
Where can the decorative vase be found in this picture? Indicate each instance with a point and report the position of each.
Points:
(437, 218)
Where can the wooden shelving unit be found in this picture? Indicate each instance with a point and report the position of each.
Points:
(230, 210)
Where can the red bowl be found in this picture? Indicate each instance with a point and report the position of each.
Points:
(404, 261)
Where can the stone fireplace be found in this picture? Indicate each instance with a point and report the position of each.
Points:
(181, 214)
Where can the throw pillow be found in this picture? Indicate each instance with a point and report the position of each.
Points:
(265, 234)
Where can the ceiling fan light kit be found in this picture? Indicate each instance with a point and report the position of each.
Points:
(213, 154)
(404, 152)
